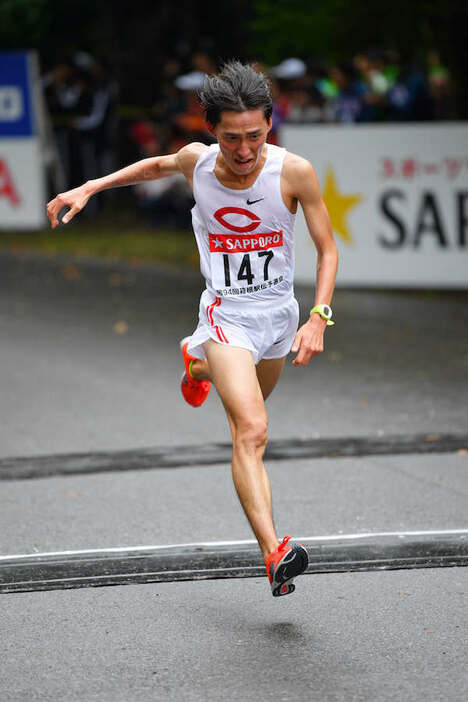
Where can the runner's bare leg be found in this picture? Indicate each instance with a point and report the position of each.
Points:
(234, 374)
(268, 373)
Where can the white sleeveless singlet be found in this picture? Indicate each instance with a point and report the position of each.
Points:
(245, 237)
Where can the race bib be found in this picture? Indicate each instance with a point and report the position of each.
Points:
(244, 261)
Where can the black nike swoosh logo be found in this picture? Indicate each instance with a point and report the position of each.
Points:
(252, 202)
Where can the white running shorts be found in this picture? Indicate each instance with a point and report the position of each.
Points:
(267, 331)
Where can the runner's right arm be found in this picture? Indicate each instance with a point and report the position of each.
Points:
(147, 169)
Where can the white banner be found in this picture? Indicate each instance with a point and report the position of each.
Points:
(397, 196)
(22, 194)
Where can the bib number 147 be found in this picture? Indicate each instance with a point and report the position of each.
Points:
(245, 269)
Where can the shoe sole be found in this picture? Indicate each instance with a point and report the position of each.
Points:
(292, 564)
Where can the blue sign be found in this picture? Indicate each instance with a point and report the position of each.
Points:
(16, 104)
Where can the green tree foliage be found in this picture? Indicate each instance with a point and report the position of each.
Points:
(338, 28)
(23, 23)
(53, 27)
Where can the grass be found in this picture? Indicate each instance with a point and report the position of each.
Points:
(118, 240)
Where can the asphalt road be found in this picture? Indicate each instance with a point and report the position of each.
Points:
(170, 506)
(90, 362)
(386, 636)
(395, 363)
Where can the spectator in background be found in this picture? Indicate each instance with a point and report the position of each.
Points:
(288, 77)
(440, 87)
(191, 120)
(82, 100)
(371, 69)
(296, 95)
(97, 125)
(284, 79)
(322, 94)
(350, 105)
(325, 84)
(62, 94)
(408, 97)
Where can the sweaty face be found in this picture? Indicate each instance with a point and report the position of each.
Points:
(241, 137)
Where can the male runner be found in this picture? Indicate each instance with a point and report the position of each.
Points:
(246, 194)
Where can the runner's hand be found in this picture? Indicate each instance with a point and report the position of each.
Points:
(75, 199)
(309, 340)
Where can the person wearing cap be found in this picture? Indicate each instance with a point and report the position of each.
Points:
(297, 99)
(246, 194)
(191, 120)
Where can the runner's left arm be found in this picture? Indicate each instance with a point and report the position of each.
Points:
(309, 338)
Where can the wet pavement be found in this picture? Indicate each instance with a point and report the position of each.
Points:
(90, 363)
(394, 635)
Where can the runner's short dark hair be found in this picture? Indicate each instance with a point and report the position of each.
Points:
(238, 87)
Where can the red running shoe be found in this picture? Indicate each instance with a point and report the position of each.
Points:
(194, 391)
(284, 564)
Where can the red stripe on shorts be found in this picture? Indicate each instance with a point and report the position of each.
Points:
(222, 335)
(210, 308)
(209, 312)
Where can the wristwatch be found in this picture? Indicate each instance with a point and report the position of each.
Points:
(324, 311)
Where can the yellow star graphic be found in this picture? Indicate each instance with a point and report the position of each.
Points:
(338, 206)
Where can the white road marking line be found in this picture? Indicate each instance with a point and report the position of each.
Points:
(332, 537)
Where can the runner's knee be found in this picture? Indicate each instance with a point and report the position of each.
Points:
(251, 432)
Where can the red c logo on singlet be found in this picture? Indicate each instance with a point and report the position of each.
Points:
(219, 216)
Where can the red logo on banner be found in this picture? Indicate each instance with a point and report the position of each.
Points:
(219, 216)
(7, 188)
(236, 244)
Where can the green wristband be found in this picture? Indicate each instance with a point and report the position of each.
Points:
(325, 312)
